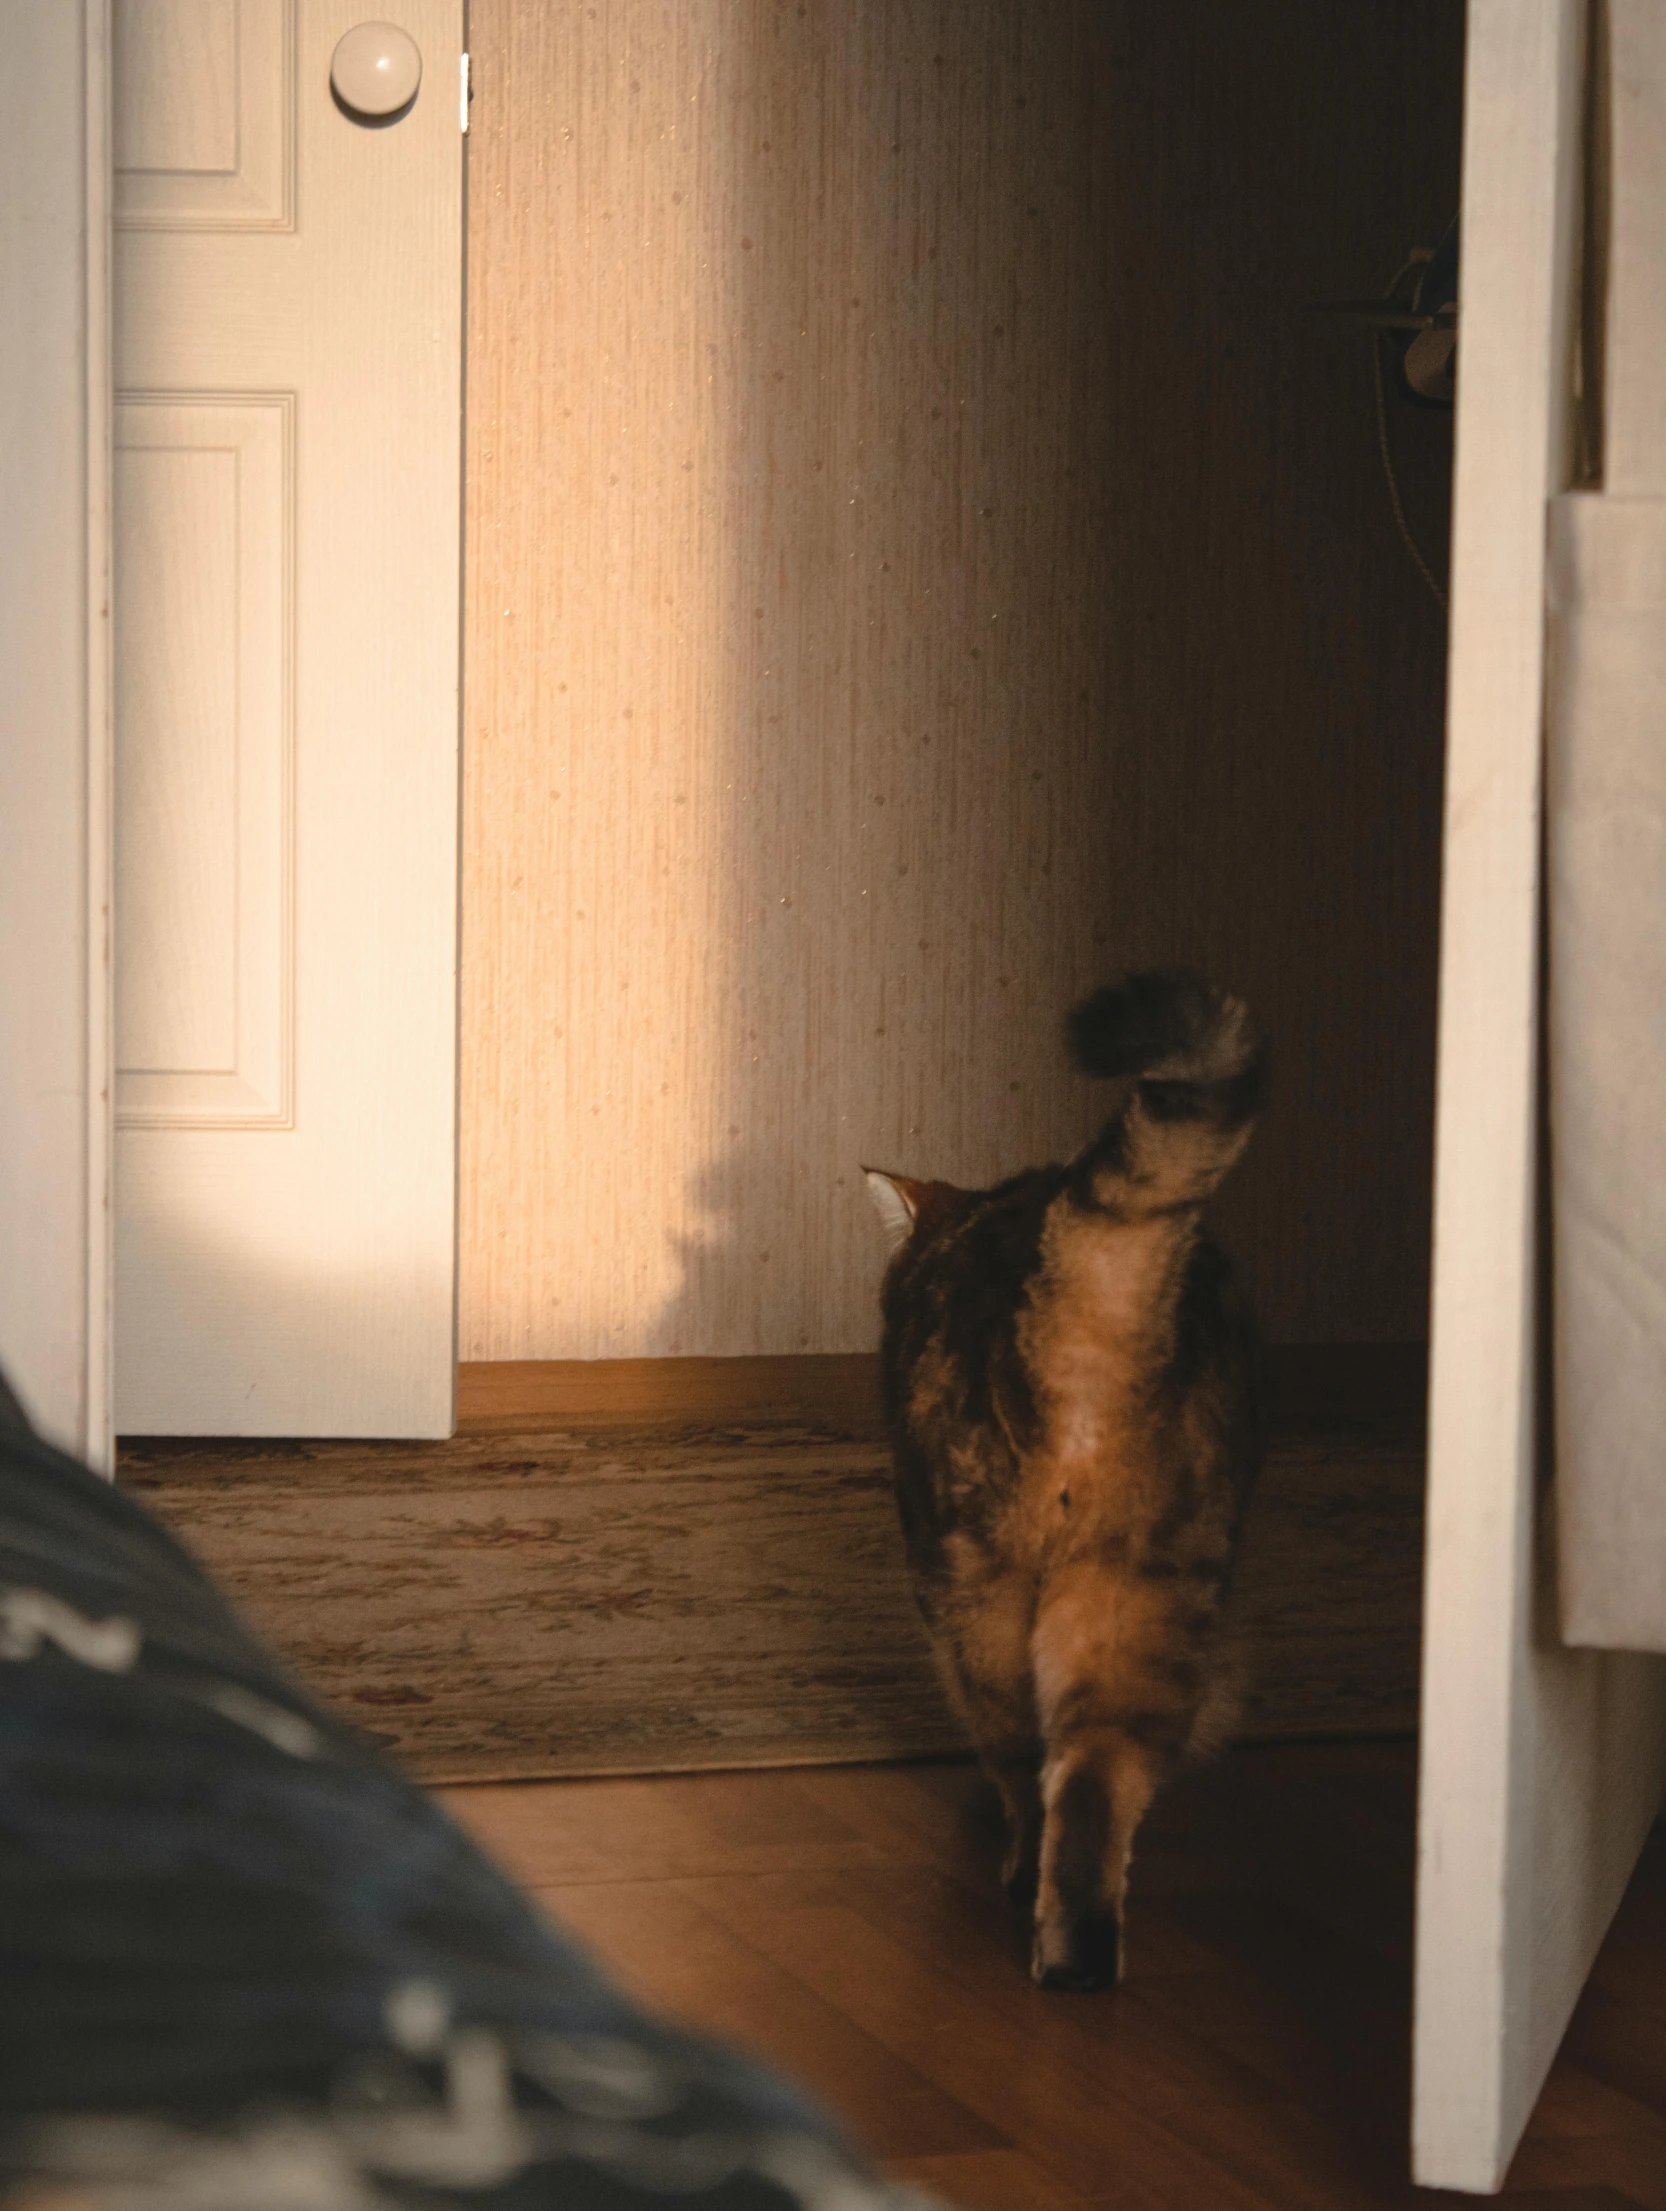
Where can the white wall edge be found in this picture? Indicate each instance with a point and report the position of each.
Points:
(97, 1437)
(1540, 1767)
(1521, 145)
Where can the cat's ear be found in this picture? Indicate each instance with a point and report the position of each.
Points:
(897, 1202)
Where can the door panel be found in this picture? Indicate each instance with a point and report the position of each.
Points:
(1542, 1767)
(204, 114)
(205, 499)
(288, 372)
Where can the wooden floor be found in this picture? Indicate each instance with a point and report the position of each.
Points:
(846, 1923)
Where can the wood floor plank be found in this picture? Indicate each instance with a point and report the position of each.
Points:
(1621, 2044)
(1289, 1842)
(986, 1954)
(1575, 2103)
(674, 1956)
(1631, 2164)
(1270, 1951)
(848, 1924)
(1349, 2076)
(1151, 2041)
(655, 1829)
(1053, 2092)
(1357, 1813)
(1576, 2198)
(1215, 1831)
(945, 1815)
(988, 2180)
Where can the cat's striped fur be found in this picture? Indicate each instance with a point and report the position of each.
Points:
(1068, 1379)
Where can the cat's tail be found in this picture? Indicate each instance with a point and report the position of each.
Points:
(1197, 1073)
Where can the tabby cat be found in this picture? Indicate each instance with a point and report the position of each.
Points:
(1068, 1386)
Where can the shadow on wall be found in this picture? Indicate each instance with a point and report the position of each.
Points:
(725, 1271)
(1063, 623)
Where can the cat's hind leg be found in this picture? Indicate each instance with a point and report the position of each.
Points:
(982, 1641)
(1115, 1719)
(1096, 1788)
(1018, 1779)
(1019, 1782)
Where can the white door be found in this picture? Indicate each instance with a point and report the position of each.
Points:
(288, 355)
(1542, 1767)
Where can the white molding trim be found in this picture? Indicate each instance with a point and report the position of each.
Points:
(97, 1436)
(55, 727)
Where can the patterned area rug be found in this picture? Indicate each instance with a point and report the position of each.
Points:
(609, 1599)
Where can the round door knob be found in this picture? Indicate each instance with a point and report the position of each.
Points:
(375, 69)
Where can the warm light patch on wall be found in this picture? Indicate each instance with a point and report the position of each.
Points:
(595, 954)
(898, 528)
(783, 699)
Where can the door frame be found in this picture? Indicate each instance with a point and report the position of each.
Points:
(56, 883)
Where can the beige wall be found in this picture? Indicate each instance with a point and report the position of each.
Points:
(922, 559)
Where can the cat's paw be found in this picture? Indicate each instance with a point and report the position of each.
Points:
(1083, 1955)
